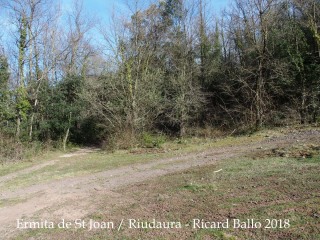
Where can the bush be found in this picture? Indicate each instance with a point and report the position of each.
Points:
(12, 150)
(152, 140)
(123, 139)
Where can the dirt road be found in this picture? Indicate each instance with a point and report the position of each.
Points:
(76, 197)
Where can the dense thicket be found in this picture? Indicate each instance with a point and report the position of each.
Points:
(170, 67)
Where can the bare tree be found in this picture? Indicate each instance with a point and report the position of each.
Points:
(250, 24)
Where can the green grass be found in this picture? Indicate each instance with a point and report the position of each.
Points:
(98, 161)
(101, 161)
(247, 187)
(264, 188)
(8, 168)
(77, 166)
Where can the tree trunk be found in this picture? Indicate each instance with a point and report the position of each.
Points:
(18, 127)
(303, 110)
(182, 129)
(65, 139)
(22, 48)
(31, 127)
(259, 113)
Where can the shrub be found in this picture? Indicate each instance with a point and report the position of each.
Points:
(152, 140)
(12, 150)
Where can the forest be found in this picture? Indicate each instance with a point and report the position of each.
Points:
(170, 68)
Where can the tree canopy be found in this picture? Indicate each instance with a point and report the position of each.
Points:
(167, 68)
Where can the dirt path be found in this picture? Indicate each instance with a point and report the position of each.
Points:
(76, 197)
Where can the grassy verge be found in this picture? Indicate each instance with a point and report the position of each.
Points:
(241, 188)
(101, 161)
(12, 167)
